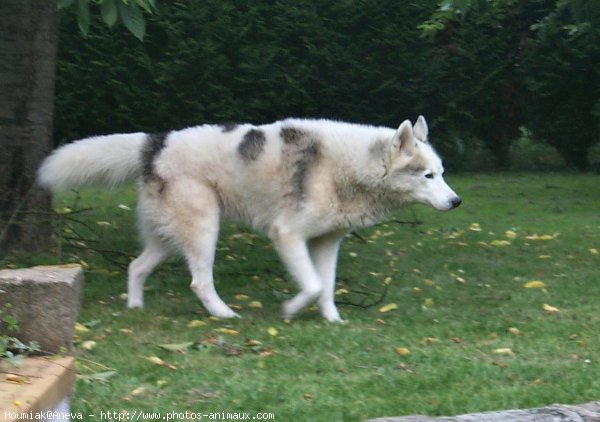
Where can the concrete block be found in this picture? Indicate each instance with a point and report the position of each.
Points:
(45, 302)
(38, 390)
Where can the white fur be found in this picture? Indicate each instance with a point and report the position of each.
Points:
(306, 193)
(115, 160)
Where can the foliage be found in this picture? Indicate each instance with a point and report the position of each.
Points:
(227, 61)
(560, 70)
(508, 63)
(479, 70)
(11, 348)
(130, 13)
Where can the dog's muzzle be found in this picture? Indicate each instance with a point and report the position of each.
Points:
(456, 201)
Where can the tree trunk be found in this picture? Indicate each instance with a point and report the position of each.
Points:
(28, 43)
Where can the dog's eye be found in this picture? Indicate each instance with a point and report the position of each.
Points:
(429, 175)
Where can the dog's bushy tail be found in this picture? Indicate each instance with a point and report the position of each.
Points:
(102, 160)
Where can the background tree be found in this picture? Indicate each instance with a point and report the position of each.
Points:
(28, 44)
(561, 71)
(28, 40)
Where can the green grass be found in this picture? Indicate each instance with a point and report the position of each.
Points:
(456, 295)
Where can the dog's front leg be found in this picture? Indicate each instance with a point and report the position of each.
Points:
(293, 251)
(324, 253)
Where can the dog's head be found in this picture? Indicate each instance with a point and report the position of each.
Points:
(415, 170)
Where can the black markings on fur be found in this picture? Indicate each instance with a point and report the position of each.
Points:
(302, 150)
(154, 144)
(252, 145)
(228, 127)
(292, 135)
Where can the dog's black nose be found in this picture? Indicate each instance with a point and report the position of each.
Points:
(456, 201)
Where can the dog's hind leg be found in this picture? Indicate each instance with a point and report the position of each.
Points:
(293, 251)
(140, 268)
(197, 230)
(324, 253)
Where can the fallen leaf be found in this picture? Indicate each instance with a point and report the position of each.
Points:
(138, 391)
(242, 297)
(80, 328)
(550, 309)
(510, 234)
(255, 304)
(178, 348)
(196, 323)
(88, 345)
(504, 351)
(308, 396)
(535, 284)
(429, 340)
(102, 377)
(475, 227)
(272, 331)
(428, 302)
(500, 243)
(158, 361)
(341, 291)
(126, 331)
(387, 308)
(593, 251)
(402, 351)
(514, 331)
(17, 379)
(542, 237)
(229, 331)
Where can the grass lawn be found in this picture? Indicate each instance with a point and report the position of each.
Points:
(461, 333)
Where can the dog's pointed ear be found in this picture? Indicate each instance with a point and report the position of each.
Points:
(421, 130)
(404, 139)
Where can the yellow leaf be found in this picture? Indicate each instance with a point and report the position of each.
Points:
(255, 304)
(242, 297)
(402, 351)
(158, 361)
(504, 351)
(428, 302)
(341, 291)
(388, 307)
(510, 234)
(272, 331)
(535, 284)
(126, 331)
(138, 391)
(80, 328)
(593, 251)
(475, 227)
(88, 345)
(500, 243)
(550, 309)
(196, 323)
(514, 331)
(227, 331)
(17, 379)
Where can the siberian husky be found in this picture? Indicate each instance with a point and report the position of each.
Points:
(304, 183)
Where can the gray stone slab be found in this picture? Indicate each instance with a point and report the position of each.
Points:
(45, 302)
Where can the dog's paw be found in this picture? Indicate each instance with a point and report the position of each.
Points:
(135, 304)
(226, 313)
